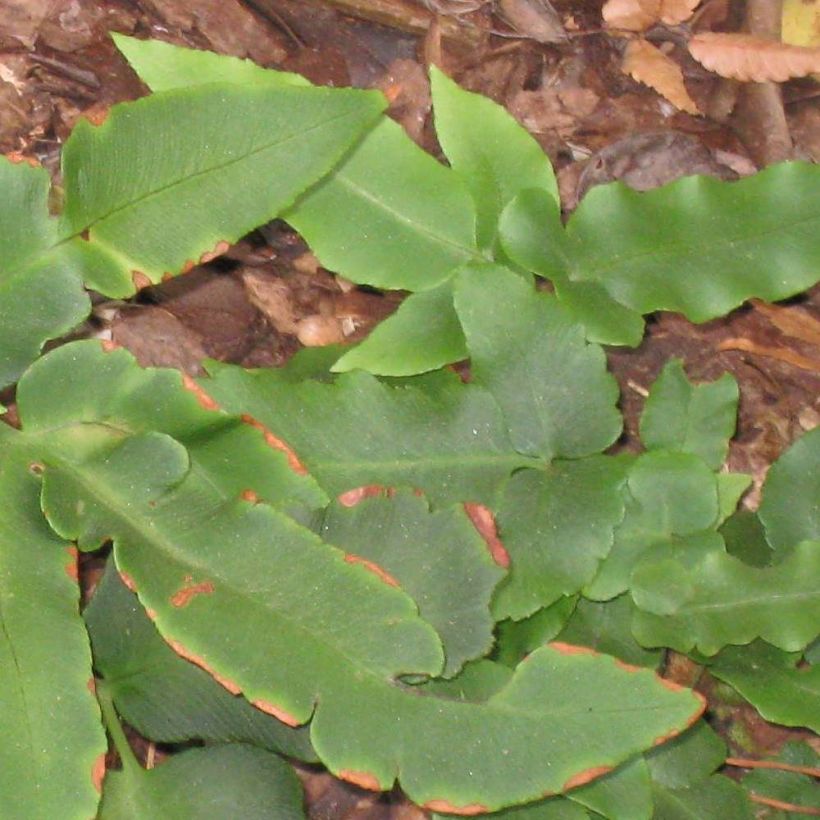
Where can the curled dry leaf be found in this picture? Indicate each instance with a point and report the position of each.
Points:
(753, 59)
(638, 15)
(650, 66)
(536, 19)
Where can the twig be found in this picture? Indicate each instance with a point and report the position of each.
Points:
(781, 804)
(744, 763)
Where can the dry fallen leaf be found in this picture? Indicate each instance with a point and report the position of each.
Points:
(536, 19)
(753, 59)
(650, 66)
(638, 15)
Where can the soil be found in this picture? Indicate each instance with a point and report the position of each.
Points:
(559, 75)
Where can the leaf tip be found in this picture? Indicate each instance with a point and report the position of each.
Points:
(17, 157)
(571, 649)
(98, 772)
(371, 566)
(205, 401)
(71, 568)
(364, 780)
(276, 443)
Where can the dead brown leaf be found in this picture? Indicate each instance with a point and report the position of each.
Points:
(639, 15)
(650, 66)
(753, 59)
(536, 19)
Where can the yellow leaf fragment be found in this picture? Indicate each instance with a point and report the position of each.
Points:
(639, 15)
(753, 59)
(801, 22)
(650, 66)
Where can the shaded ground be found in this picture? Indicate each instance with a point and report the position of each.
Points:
(259, 302)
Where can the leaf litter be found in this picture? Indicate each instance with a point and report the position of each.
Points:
(247, 308)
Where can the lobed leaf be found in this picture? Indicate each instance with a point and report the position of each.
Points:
(772, 682)
(164, 697)
(688, 418)
(715, 600)
(494, 156)
(453, 443)
(790, 509)
(163, 66)
(516, 639)
(389, 215)
(269, 609)
(231, 780)
(669, 495)
(41, 292)
(557, 526)
(422, 335)
(437, 557)
(554, 390)
(158, 205)
(624, 792)
(789, 787)
(53, 742)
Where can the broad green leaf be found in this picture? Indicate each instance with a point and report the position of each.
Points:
(715, 796)
(41, 293)
(389, 215)
(231, 780)
(625, 792)
(668, 495)
(553, 387)
(422, 335)
(690, 418)
(557, 525)
(152, 199)
(790, 510)
(165, 698)
(132, 400)
(772, 682)
(436, 434)
(718, 600)
(437, 557)
(788, 787)
(607, 627)
(746, 539)
(533, 236)
(554, 808)
(701, 246)
(162, 66)
(516, 639)
(688, 758)
(731, 488)
(489, 150)
(271, 610)
(53, 741)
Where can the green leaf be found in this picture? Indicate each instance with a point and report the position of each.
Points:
(165, 698)
(162, 66)
(438, 558)
(41, 293)
(422, 335)
(555, 808)
(730, 487)
(701, 246)
(452, 442)
(156, 204)
(269, 609)
(669, 494)
(232, 780)
(53, 741)
(790, 510)
(607, 627)
(625, 792)
(132, 400)
(690, 418)
(553, 388)
(789, 787)
(516, 639)
(717, 600)
(389, 215)
(533, 236)
(773, 683)
(489, 150)
(715, 796)
(557, 526)
(746, 539)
